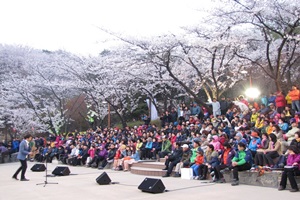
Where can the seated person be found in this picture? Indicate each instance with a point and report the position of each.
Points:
(291, 169)
(242, 161)
(259, 156)
(173, 159)
(91, 152)
(120, 153)
(110, 156)
(211, 160)
(131, 157)
(273, 151)
(165, 147)
(185, 160)
(3, 151)
(198, 161)
(225, 162)
(72, 157)
(296, 141)
(83, 155)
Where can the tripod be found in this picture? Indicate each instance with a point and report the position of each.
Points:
(46, 175)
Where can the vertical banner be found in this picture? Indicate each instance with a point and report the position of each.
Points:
(153, 111)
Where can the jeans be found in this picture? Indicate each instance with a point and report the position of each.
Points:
(296, 105)
(195, 169)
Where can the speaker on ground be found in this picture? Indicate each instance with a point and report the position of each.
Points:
(61, 171)
(152, 185)
(103, 179)
(38, 168)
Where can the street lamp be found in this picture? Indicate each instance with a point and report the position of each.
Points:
(252, 93)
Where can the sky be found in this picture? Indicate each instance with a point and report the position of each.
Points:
(73, 25)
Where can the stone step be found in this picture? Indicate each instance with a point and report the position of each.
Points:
(147, 171)
(152, 165)
(268, 179)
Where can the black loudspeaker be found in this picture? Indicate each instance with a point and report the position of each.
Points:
(38, 168)
(103, 179)
(61, 171)
(152, 185)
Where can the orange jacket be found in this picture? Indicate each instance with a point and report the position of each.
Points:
(199, 160)
(294, 94)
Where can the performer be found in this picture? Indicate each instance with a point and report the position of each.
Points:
(24, 150)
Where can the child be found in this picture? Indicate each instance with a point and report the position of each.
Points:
(198, 161)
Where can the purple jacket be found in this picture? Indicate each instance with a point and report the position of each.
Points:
(293, 159)
(103, 153)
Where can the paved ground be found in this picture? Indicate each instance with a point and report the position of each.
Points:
(81, 184)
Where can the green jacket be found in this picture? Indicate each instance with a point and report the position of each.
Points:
(194, 154)
(166, 146)
(242, 157)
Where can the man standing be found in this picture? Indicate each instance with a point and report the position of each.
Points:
(295, 96)
(224, 105)
(24, 151)
(216, 107)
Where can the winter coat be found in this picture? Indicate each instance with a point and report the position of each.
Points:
(243, 157)
(228, 154)
(295, 158)
(280, 101)
(294, 94)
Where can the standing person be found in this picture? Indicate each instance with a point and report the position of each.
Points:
(280, 102)
(241, 162)
(24, 151)
(216, 107)
(224, 105)
(295, 96)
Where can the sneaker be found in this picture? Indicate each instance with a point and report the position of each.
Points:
(177, 175)
(165, 168)
(216, 180)
(294, 190)
(222, 180)
(196, 177)
(166, 175)
(235, 183)
(281, 188)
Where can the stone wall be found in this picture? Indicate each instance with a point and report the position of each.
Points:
(268, 179)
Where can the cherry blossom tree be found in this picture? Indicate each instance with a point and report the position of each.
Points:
(272, 42)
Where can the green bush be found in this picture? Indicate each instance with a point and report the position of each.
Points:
(138, 123)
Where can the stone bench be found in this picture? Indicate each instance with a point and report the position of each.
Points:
(268, 179)
(7, 159)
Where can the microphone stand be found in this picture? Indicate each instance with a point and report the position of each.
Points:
(46, 174)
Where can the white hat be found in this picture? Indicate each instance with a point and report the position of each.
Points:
(185, 146)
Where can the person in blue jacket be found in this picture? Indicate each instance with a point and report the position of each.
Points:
(24, 151)
(254, 143)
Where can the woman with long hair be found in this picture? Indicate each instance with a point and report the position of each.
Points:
(273, 151)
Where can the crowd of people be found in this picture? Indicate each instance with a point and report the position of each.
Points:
(238, 135)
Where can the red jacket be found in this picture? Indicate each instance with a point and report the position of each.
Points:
(280, 101)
